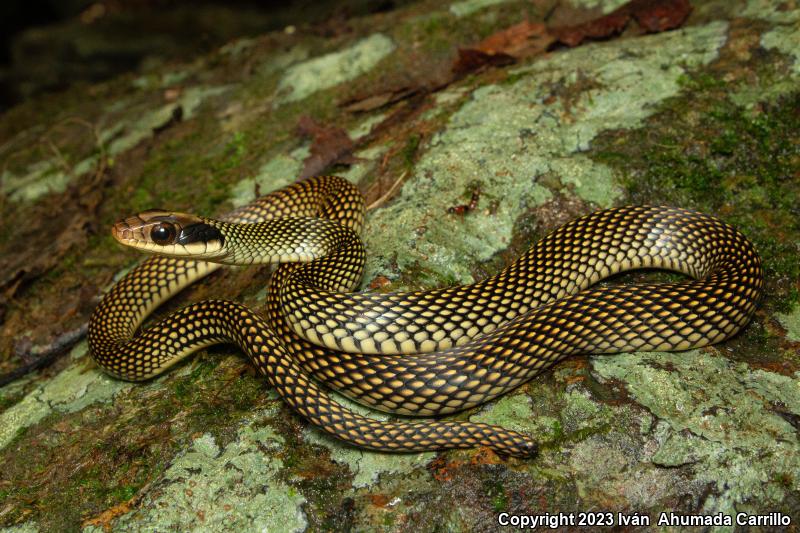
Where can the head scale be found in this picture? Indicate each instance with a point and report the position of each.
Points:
(169, 233)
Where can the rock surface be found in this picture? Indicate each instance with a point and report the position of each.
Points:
(704, 117)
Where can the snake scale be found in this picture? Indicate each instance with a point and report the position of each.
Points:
(422, 353)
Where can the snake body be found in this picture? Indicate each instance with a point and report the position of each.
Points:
(462, 345)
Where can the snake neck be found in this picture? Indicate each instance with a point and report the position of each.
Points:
(280, 240)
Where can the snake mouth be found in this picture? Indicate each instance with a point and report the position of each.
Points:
(170, 234)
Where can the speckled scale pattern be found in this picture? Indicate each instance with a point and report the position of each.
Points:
(674, 316)
(288, 240)
(661, 317)
(116, 349)
(471, 343)
(564, 263)
(613, 319)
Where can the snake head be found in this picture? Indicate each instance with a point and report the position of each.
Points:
(169, 233)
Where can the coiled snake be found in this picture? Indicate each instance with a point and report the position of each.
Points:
(419, 353)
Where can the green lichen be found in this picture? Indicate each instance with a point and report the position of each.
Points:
(367, 159)
(605, 6)
(237, 47)
(721, 420)
(787, 40)
(162, 81)
(591, 182)
(304, 79)
(123, 136)
(578, 418)
(228, 488)
(54, 175)
(446, 101)
(468, 7)
(72, 390)
(366, 125)
(611, 472)
(281, 61)
(40, 178)
(27, 527)
(46, 176)
(791, 321)
(770, 11)
(126, 443)
(715, 156)
(512, 412)
(586, 445)
(506, 136)
(274, 174)
(524, 141)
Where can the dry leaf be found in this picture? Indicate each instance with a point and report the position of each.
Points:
(329, 145)
(520, 40)
(471, 60)
(504, 47)
(651, 15)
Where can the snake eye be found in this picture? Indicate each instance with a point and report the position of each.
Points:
(163, 233)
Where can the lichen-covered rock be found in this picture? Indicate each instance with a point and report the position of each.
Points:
(704, 117)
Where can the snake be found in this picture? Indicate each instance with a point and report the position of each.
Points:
(421, 353)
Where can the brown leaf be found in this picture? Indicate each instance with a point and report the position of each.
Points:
(655, 16)
(504, 47)
(651, 15)
(611, 24)
(520, 40)
(471, 60)
(379, 500)
(329, 145)
(379, 282)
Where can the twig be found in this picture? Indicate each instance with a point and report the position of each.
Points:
(46, 354)
(388, 194)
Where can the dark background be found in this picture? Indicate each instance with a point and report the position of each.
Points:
(48, 45)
